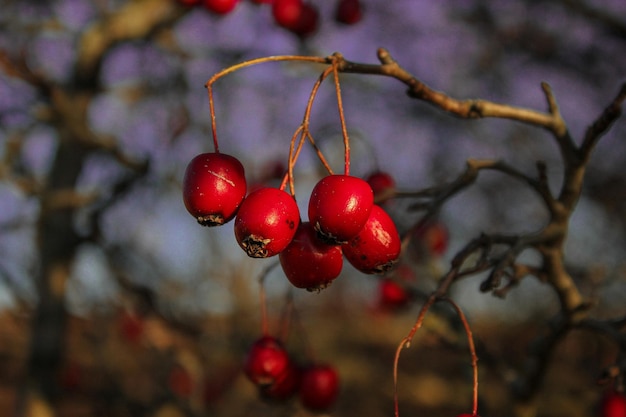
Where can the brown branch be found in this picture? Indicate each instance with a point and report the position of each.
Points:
(468, 109)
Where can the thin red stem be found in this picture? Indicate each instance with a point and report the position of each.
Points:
(472, 348)
(233, 68)
(342, 119)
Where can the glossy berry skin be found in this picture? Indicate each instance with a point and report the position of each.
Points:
(339, 207)
(319, 387)
(266, 222)
(382, 183)
(348, 12)
(220, 7)
(376, 248)
(267, 361)
(613, 405)
(310, 263)
(213, 188)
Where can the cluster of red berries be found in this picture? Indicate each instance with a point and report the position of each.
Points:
(278, 378)
(298, 16)
(343, 221)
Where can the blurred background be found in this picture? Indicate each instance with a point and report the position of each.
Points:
(115, 302)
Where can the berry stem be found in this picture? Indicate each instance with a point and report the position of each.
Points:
(342, 119)
(209, 84)
(263, 298)
(472, 348)
(406, 343)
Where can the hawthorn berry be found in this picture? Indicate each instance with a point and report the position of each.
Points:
(267, 361)
(382, 183)
(339, 207)
(284, 386)
(287, 12)
(266, 222)
(348, 12)
(220, 7)
(376, 248)
(307, 22)
(613, 405)
(319, 387)
(392, 295)
(213, 188)
(308, 262)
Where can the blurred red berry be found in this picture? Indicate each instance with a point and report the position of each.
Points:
(220, 6)
(267, 361)
(392, 295)
(287, 12)
(382, 183)
(613, 405)
(348, 12)
(319, 387)
(307, 22)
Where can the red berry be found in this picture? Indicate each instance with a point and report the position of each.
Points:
(287, 12)
(339, 207)
(307, 22)
(348, 12)
(220, 6)
(613, 405)
(319, 387)
(266, 222)
(392, 295)
(308, 262)
(382, 183)
(213, 188)
(376, 248)
(284, 387)
(267, 361)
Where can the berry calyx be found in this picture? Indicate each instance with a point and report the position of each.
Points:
(348, 12)
(266, 222)
(267, 361)
(308, 262)
(220, 6)
(383, 185)
(214, 186)
(613, 405)
(339, 207)
(319, 387)
(376, 248)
